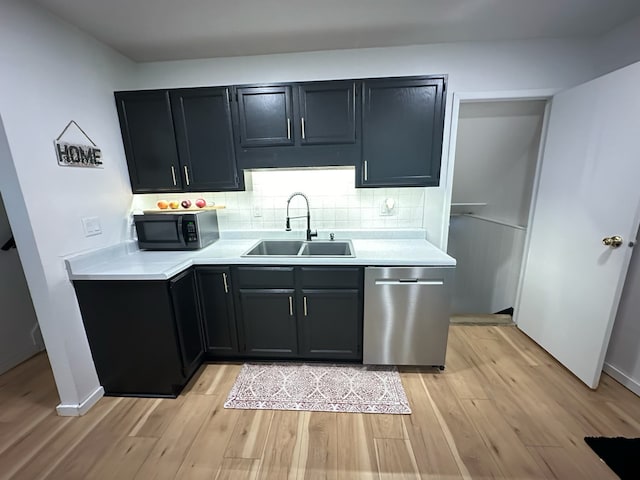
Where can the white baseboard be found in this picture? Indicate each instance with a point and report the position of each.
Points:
(623, 378)
(81, 408)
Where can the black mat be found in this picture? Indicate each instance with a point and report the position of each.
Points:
(621, 454)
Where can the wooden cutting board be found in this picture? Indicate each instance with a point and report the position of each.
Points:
(185, 210)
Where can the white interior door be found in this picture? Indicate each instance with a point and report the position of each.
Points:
(589, 189)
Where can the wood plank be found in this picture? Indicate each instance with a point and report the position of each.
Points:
(250, 434)
(207, 451)
(106, 436)
(462, 369)
(504, 374)
(171, 449)
(279, 462)
(319, 452)
(504, 445)
(121, 462)
(466, 443)
(188, 437)
(386, 426)
(157, 417)
(40, 462)
(558, 462)
(426, 435)
(394, 460)
(356, 448)
(238, 469)
(214, 379)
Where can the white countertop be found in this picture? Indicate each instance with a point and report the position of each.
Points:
(125, 262)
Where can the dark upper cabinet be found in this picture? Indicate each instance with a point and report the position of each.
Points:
(297, 125)
(188, 323)
(265, 116)
(218, 315)
(402, 127)
(179, 140)
(146, 124)
(327, 113)
(203, 128)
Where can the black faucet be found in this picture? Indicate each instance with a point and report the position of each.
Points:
(288, 226)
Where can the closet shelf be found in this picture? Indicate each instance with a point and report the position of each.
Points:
(462, 208)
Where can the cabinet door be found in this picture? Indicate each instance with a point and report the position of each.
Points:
(269, 322)
(402, 125)
(265, 116)
(149, 141)
(188, 324)
(202, 119)
(216, 300)
(331, 324)
(131, 330)
(327, 113)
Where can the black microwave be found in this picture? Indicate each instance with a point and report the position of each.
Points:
(176, 230)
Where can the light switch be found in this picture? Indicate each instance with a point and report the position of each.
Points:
(91, 226)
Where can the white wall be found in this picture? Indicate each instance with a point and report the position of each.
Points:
(53, 73)
(496, 155)
(489, 66)
(618, 48)
(488, 257)
(19, 331)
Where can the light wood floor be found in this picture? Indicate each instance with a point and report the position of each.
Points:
(502, 409)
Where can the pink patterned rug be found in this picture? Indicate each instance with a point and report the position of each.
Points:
(319, 388)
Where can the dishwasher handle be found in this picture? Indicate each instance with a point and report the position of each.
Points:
(409, 281)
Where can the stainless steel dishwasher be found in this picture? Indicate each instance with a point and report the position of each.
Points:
(406, 315)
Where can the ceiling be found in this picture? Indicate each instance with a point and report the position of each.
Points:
(152, 30)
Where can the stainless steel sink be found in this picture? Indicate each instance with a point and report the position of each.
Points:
(299, 248)
(270, 248)
(328, 249)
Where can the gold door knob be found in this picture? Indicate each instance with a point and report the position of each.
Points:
(613, 242)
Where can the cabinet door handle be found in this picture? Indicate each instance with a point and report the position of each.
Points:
(226, 285)
(173, 174)
(291, 306)
(366, 170)
(303, 129)
(186, 174)
(288, 129)
(304, 303)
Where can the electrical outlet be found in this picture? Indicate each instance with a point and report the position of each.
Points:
(257, 210)
(91, 226)
(388, 206)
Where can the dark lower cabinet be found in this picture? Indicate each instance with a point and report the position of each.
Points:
(144, 335)
(330, 325)
(269, 322)
(187, 318)
(218, 314)
(304, 312)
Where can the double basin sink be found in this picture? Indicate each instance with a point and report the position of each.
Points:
(300, 248)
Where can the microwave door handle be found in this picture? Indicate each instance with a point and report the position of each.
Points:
(181, 227)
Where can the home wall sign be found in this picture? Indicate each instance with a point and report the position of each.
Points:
(75, 154)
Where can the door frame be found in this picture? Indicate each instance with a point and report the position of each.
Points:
(497, 96)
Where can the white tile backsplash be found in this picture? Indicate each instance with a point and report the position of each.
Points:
(333, 198)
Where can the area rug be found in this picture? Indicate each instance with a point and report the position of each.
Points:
(319, 388)
(622, 455)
